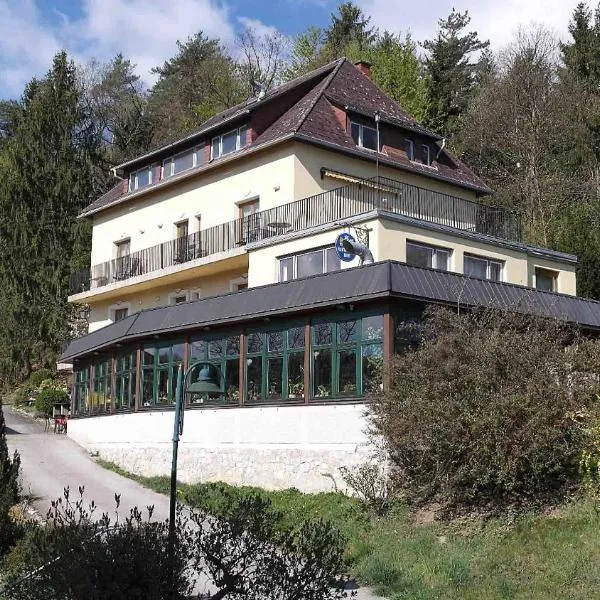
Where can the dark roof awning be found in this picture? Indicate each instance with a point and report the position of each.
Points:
(385, 279)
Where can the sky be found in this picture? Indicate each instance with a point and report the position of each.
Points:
(146, 32)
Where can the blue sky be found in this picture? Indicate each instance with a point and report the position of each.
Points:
(32, 31)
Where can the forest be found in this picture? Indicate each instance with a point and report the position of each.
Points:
(526, 118)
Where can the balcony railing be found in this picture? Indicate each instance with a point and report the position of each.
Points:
(327, 207)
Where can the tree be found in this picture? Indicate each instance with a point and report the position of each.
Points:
(306, 53)
(9, 490)
(490, 411)
(349, 25)
(451, 73)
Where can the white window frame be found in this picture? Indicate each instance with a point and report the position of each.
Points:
(133, 178)
(178, 294)
(294, 257)
(169, 163)
(238, 141)
(118, 306)
(435, 249)
(488, 268)
(360, 135)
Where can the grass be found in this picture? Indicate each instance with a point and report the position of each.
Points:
(534, 557)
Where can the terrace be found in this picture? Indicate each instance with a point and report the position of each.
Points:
(356, 198)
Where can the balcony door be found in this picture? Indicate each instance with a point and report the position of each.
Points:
(123, 259)
(249, 221)
(181, 241)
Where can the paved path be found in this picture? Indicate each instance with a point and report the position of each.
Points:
(50, 462)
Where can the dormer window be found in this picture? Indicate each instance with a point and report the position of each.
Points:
(409, 146)
(182, 162)
(426, 154)
(228, 142)
(139, 179)
(363, 135)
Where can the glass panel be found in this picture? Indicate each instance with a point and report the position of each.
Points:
(475, 267)
(442, 259)
(148, 388)
(232, 380)
(347, 331)
(275, 341)
(354, 132)
(214, 151)
(347, 376)
(143, 178)
(372, 368)
(178, 352)
(419, 256)
(183, 162)
(309, 264)
(199, 155)
(118, 392)
(198, 349)
(229, 143)
(243, 136)
(132, 182)
(333, 260)
(255, 342)
(233, 345)
(544, 281)
(215, 349)
(495, 271)
(409, 147)
(163, 386)
(322, 334)
(372, 327)
(296, 375)
(369, 138)
(164, 354)
(254, 379)
(296, 337)
(407, 334)
(274, 378)
(148, 356)
(322, 373)
(286, 269)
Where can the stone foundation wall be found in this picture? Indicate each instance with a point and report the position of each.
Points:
(270, 447)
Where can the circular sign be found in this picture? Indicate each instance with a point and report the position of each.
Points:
(339, 248)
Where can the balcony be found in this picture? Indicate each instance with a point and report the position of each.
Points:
(328, 207)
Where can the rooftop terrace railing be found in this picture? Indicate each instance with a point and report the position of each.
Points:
(327, 207)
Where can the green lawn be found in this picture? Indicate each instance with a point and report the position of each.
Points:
(535, 557)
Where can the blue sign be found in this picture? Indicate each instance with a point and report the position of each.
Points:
(339, 248)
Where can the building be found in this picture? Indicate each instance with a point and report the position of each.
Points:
(219, 247)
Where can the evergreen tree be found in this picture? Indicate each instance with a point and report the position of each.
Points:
(306, 53)
(349, 25)
(451, 74)
(9, 489)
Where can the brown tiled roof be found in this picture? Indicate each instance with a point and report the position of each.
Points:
(312, 118)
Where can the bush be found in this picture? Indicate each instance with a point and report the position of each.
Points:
(489, 411)
(48, 397)
(36, 378)
(23, 393)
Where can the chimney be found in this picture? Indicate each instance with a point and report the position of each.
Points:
(364, 67)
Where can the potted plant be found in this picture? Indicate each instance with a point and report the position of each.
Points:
(296, 389)
(323, 391)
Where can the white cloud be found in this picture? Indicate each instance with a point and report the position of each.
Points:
(257, 26)
(145, 32)
(495, 20)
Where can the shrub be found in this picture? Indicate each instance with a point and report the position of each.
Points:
(371, 484)
(48, 397)
(489, 411)
(23, 394)
(36, 378)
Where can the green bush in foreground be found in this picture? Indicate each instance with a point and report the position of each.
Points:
(490, 411)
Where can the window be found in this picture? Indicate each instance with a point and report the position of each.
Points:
(100, 398)
(239, 284)
(178, 297)
(223, 352)
(421, 255)
(123, 248)
(195, 294)
(275, 365)
(315, 262)
(347, 357)
(159, 373)
(182, 162)
(249, 221)
(228, 142)
(140, 179)
(125, 378)
(546, 280)
(425, 154)
(483, 268)
(82, 391)
(410, 149)
(364, 136)
(120, 314)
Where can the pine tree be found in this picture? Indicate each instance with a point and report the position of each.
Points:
(451, 76)
(348, 26)
(9, 489)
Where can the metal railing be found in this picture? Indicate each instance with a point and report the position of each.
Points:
(327, 207)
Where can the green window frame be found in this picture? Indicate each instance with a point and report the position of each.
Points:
(101, 397)
(160, 363)
(224, 352)
(125, 380)
(346, 356)
(82, 391)
(275, 364)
